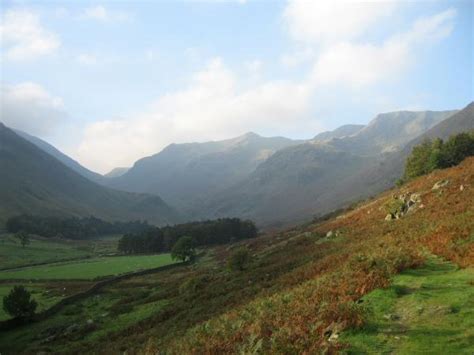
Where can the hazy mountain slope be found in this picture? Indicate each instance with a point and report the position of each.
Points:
(185, 174)
(34, 182)
(116, 172)
(287, 187)
(389, 132)
(63, 158)
(346, 130)
(315, 178)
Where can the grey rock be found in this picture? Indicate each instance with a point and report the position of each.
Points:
(440, 184)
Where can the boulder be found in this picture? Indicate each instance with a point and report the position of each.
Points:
(415, 198)
(440, 184)
(329, 234)
(389, 217)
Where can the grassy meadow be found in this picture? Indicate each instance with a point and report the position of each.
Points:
(88, 269)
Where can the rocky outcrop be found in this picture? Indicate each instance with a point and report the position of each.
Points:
(400, 205)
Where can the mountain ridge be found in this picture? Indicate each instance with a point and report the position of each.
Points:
(34, 182)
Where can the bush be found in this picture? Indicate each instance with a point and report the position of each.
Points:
(19, 304)
(184, 249)
(239, 259)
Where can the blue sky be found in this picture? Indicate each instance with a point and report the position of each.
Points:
(110, 82)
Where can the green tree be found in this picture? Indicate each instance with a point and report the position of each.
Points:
(417, 162)
(456, 149)
(239, 259)
(19, 304)
(23, 238)
(184, 249)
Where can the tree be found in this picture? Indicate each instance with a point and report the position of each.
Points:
(239, 259)
(456, 149)
(23, 238)
(416, 164)
(19, 304)
(184, 249)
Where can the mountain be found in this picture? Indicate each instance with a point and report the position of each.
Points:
(188, 174)
(389, 132)
(34, 182)
(316, 177)
(384, 173)
(63, 158)
(116, 172)
(346, 130)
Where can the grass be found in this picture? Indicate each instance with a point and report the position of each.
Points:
(94, 319)
(44, 250)
(425, 310)
(12, 254)
(88, 269)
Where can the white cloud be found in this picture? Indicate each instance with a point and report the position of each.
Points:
(298, 57)
(29, 107)
(354, 64)
(324, 21)
(213, 106)
(23, 37)
(102, 14)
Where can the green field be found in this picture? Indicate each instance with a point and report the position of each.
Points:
(429, 310)
(88, 269)
(42, 250)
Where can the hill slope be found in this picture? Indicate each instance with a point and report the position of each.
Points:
(354, 254)
(35, 182)
(63, 158)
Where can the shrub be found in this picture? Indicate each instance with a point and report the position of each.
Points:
(239, 259)
(19, 304)
(184, 249)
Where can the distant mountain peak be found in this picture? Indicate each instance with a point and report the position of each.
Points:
(251, 135)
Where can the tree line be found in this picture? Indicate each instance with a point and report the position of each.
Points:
(437, 154)
(211, 232)
(71, 227)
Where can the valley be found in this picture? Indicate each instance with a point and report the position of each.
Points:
(319, 271)
(207, 177)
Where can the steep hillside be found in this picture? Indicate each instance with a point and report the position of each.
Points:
(315, 178)
(186, 174)
(63, 158)
(35, 182)
(354, 254)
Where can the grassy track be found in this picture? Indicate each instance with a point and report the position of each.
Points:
(429, 310)
(88, 269)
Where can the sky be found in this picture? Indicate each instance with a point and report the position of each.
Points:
(111, 82)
